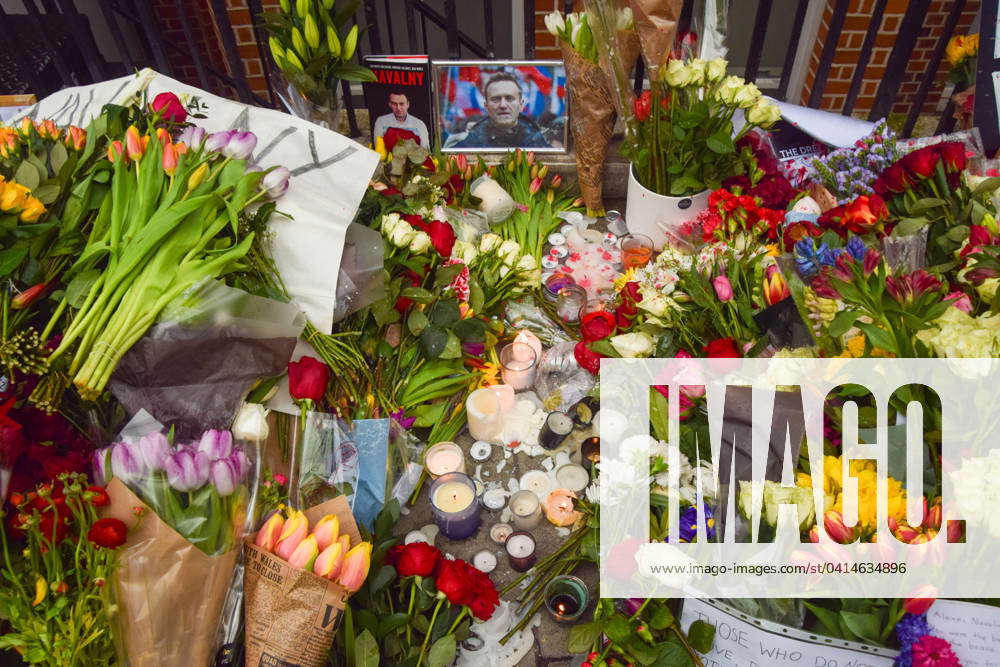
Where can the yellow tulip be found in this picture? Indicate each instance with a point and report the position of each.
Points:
(197, 176)
(380, 147)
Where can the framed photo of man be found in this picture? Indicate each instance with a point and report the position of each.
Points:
(497, 106)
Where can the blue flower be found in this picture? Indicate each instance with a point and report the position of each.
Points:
(911, 628)
(689, 524)
(857, 248)
(828, 256)
(806, 258)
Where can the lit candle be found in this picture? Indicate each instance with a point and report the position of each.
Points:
(484, 561)
(526, 510)
(557, 426)
(485, 415)
(590, 451)
(444, 457)
(453, 500)
(518, 362)
(573, 477)
(494, 499)
(537, 482)
(566, 598)
(494, 201)
(500, 532)
(559, 508)
(520, 548)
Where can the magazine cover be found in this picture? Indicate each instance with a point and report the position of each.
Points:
(399, 102)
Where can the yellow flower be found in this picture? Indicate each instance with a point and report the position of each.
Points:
(380, 148)
(626, 277)
(13, 197)
(972, 45)
(956, 52)
(33, 210)
(855, 349)
(490, 376)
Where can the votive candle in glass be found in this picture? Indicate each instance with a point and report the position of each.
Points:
(566, 598)
(573, 477)
(444, 457)
(520, 546)
(525, 509)
(590, 452)
(554, 432)
(453, 501)
(637, 250)
(559, 508)
(518, 362)
(571, 299)
(554, 283)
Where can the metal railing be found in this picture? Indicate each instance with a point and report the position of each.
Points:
(45, 65)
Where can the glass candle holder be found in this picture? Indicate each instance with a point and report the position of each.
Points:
(590, 452)
(592, 306)
(574, 477)
(518, 362)
(520, 547)
(442, 458)
(569, 302)
(566, 598)
(525, 509)
(637, 250)
(554, 284)
(453, 501)
(556, 429)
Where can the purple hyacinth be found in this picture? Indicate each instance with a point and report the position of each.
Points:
(689, 524)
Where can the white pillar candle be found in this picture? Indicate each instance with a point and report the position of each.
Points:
(444, 457)
(485, 415)
(495, 202)
(573, 477)
(506, 395)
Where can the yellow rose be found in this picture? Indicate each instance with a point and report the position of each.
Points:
(33, 210)
(955, 51)
(972, 45)
(14, 197)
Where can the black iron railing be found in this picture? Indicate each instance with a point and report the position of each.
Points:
(51, 45)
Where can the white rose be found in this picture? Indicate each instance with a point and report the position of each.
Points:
(677, 74)
(715, 70)
(554, 22)
(763, 114)
(489, 242)
(389, 223)
(420, 243)
(747, 96)
(634, 344)
(251, 423)
(465, 252)
(527, 263)
(655, 303)
(697, 67)
(504, 270)
(402, 234)
(509, 251)
(728, 89)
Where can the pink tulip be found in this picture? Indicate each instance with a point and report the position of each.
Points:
(267, 536)
(535, 186)
(328, 564)
(304, 555)
(723, 288)
(355, 568)
(326, 531)
(833, 521)
(294, 531)
(170, 157)
(345, 541)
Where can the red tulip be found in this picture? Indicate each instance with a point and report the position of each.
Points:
(920, 605)
(833, 522)
(307, 379)
(170, 106)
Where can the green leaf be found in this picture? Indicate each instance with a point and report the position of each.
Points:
(988, 185)
(428, 414)
(445, 274)
(865, 626)
(908, 226)
(477, 298)
(27, 175)
(618, 629)
(79, 287)
(721, 143)
(582, 637)
(685, 185)
(827, 618)
(844, 320)
(926, 204)
(878, 337)
(10, 259)
(418, 294)
(701, 635)
(47, 193)
(445, 313)
(366, 619)
(385, 575)
(672, 654)
(366, 650)
(433, 339)
(452, 348)
(662, 618)
(416, 322)
(352, 72)
(57, 156)
(388, 624)
(442, 653)
(470, 331)
(384, 313)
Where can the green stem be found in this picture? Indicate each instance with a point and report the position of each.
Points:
(458, 619)
(409, 609)
(430, 629)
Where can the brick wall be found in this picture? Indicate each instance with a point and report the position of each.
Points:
(246, 42)
(848, 52)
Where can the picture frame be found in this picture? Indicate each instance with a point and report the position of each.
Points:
(466, 120)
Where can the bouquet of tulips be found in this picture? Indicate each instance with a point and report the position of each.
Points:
(298, 581)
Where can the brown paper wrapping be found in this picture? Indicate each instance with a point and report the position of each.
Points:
(656, 23)
(291, 615)
(170, 591)
(592, 120)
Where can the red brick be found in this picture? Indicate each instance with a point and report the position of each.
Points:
(240, 17)
(244, 35)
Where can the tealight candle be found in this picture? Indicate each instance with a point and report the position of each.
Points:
(484, 561)
(537, 482)
(571, 299)
(566, 598)
(565, 230)
(559, 508)
(526, 510)
(484, 412)
(494, 201)
(480, 450)
(444, 457)
(494, 499)
(557, 426)
(558, 251)
(453, 500)
(500, 532)
(518, 362)
(590, 452)
(550, 263)
(555, 238)
(520, 548)
(573, 477)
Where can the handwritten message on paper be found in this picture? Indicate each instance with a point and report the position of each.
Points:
(740, 643)
(973, 630)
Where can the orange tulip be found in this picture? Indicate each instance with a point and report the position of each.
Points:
(775, 287)
(267, 536)
(163, 136)
(330, 561)
(75, 138)
(292, 533)
(304, 555)
(326, 531)
(170, 157)
(115, 150)
(355, 568)
(345, 542)
(134, 144)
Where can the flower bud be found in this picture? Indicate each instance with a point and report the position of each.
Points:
(305, 554)
(326, 531)
(275, 182)
(267, 536)
(251, 423)
(197, 176)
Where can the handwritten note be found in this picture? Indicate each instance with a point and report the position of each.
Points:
(973, 630)
(752, 643)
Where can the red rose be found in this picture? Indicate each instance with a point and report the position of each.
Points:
(456, 580)
(442, 236)
(170, 106)
(722, 348)
(415, 220)
(587, 358)
(414, 279)
(953, 156)
(108, 533)
(893, 180)
(485, 596)
(395, 134)
(418, 559)
(99, 497)
(921, 162)
(597, 326)
(632, 291)
(643, 106)
(307, 379)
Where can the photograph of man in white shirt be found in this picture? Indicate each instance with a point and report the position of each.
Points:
(399, 104)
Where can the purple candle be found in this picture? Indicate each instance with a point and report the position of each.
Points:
(453, 499)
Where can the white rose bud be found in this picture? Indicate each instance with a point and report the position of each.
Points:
(747, 96)
(389, 223)
(676, 74)
(465, 252)
(509, 251)
(728, 89)
(697, 68)
(489, 241)
(715, 70)
(554, 23)
(763, 114)
(504, 270)
(421, 243)
(251, 423)
(631, 345)
(402, 234)
(527, 263)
